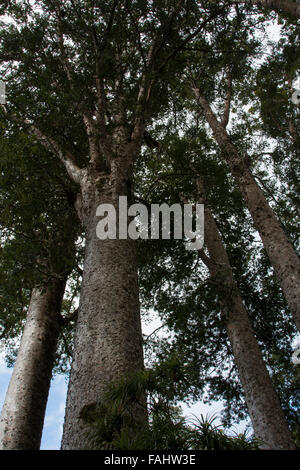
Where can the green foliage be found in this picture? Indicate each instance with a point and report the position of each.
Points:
(175, 283)
(112, 426)
(38, 229)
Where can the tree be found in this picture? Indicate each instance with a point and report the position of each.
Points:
(280, 250)
(189, 302)
(97, 80)
(269, 423)
(38, 256)
(24, 408)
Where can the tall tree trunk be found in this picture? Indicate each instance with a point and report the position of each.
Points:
(286, 6)
(269, 423)
(282, 255)
(108, 340)
(24, 408)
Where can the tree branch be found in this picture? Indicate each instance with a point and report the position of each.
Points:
(134, 24)
(206, 260)
(153, 72)
(64, 56)
(51, 145)
(66, 158)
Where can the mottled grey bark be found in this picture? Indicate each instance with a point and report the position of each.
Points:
(108, 340)
(285, 6)
(24, 408)
(268, 420)
(281, 253)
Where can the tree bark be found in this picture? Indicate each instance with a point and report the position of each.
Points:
(24, 408)
(286, 6)
(108, 339)
(282, 255)
(268, 420)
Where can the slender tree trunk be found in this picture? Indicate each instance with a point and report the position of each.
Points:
(108, 340)
(24, 408)
(282, 255)
(286, 6)
(269, 423)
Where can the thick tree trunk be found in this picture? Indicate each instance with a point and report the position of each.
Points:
(24, 408)
(282, 255)
(108, 340)
(286, 6)
(264, 408)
